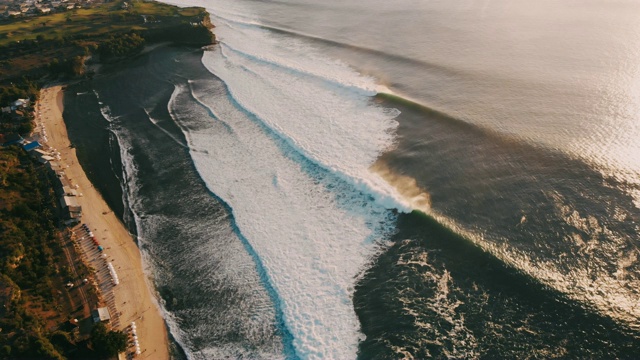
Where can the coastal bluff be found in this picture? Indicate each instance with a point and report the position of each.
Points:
(58, 44)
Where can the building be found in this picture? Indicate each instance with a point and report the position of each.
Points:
(70, 207)
(20, 103)
(68, 201)
(100, 315)
(54, 166)
(31, 146)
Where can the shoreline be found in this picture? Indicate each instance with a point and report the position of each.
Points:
(132, 298)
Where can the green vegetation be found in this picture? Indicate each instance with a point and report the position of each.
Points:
(121, 46)
(107, 343)
(29, 257)
(107, 18)
(59, 42)
(34, 305)
(20, 122)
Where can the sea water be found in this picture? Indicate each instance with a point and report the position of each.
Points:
(277, 171)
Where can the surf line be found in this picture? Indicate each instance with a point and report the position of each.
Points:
(386, 200)
(287, 337)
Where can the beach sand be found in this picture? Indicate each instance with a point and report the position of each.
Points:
(132, 296)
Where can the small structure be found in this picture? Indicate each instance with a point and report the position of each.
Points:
(54, 166)
(41, 155)
(69, 191)
(45, 158)
(75, 213)
(100, 315)
(31, 146)
(20, 103)
(68, 201)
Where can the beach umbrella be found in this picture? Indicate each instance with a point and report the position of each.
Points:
(100, 248)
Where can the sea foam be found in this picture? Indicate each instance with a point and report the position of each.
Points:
(286, 139)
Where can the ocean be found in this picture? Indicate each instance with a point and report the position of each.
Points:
(382, 180)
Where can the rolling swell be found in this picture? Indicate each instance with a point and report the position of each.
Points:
(557, 195)
(541, 262)
(170, 135)
(471, 207)
(299, 71)
(443, 69)
(383, 195)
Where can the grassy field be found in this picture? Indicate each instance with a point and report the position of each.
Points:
(28, 45)
(101, 19)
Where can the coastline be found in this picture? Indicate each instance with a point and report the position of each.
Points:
(132, 298)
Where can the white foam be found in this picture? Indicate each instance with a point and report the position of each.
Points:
(320, 106)
(327, 125)
(312, 241)
(295, 170)
(457, 341)
(155, 122)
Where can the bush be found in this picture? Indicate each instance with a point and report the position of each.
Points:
(126, 45)
(107, 343)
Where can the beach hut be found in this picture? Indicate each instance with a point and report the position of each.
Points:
(31, 146)
(100, 315)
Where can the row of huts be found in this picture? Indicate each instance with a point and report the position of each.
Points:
(65, 191)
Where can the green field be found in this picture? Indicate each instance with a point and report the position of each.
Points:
(29, 45)
(98, 20)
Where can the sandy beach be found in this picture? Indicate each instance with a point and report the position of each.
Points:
(131, 298)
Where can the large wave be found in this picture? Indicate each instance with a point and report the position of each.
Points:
(286, 140)
(290, 148)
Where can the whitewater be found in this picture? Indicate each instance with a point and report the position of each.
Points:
(285, 138)
(271, 188)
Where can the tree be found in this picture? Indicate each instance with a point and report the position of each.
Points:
(107, 343)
